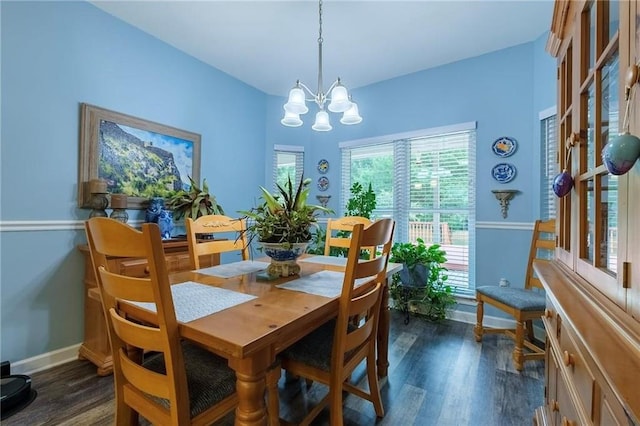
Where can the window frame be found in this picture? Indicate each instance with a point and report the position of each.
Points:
(298, 152)
(400, 144)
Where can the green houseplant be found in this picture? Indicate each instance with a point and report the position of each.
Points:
(282, 224)
(195, 202)
(421, 286)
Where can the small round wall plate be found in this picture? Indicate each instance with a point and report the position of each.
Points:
(503, 172)
(323, 166)
(504, 146)
(323, 183)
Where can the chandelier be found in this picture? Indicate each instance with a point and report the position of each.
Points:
(339, 99)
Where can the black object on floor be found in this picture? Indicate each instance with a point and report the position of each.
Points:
(16, 394)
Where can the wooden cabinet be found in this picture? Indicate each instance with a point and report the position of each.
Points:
(95, 346)
(592, 357)
(593, 285)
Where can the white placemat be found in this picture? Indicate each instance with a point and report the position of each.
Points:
(326, 260)
(229, 270)
(323, 283)
(192, 300)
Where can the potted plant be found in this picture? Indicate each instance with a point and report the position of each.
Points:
(421, 286)
(282, 224)
(194, 203)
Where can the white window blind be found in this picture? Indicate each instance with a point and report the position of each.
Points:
(550, 167)
(426, 184)
(288, 161)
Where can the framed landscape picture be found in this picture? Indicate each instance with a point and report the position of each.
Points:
(136, 157)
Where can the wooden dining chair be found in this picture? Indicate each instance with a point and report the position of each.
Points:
(176, 383)
(339, 230)
(233, 230)
(523, 304)
(330, 354)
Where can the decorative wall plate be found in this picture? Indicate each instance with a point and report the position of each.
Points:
(323, 183)
(323, 166)
(503, 172)
(504, 146)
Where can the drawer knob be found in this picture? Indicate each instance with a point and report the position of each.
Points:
(568, 359)
(548, 313)
(554, 405)
(146, 270)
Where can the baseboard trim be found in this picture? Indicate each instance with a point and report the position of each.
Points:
(46, 360)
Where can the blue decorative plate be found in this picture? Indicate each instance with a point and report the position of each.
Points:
(323, 166)
(504, 146)
(323, 183)
(503, 172)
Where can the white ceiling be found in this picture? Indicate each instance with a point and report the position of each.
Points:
(271, 44)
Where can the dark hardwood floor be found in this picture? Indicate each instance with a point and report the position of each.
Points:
(438, 375)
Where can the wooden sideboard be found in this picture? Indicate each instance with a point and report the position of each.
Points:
(95, 346)
(593, 355)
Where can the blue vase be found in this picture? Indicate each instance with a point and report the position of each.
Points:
(165, 222)
(156, 205)
(621, 153)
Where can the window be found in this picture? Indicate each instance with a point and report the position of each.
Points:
(424, 180)
(288, 161)
(550, 169)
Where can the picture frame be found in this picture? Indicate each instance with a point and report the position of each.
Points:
(136, 157)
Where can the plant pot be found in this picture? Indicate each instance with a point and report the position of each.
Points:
(414, 277)
(283, 258)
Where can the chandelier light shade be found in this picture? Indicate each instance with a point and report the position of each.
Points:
(339, 99)
(322, 123)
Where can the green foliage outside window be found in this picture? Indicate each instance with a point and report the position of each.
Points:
(362, 203)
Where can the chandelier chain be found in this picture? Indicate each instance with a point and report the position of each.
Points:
(320, 21)
(320, 97)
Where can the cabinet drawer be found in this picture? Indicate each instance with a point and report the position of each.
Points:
(611, 410)
(178, 262)
(551, 368)
(133, 267)
(573, 361)
(567, 414)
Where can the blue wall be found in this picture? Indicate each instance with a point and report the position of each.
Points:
(56, 55)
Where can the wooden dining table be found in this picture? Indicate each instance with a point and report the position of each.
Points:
(251, 334)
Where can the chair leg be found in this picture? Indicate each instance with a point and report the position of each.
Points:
(518, 355)
(530, 335)
(478, 329)
(124, 414)
(374, 385)
(335, 404)
(273, 400)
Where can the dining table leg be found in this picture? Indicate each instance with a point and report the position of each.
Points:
(383, 334)
(250, 387)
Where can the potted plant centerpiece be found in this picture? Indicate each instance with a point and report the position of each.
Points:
(282, 225)
(421, 286)
(195, 202)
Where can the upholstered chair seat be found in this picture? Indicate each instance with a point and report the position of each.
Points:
(209, 379)
(518, 298)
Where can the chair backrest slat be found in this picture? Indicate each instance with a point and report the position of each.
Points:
(345, 224)
(234, 230)
(543, 243)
